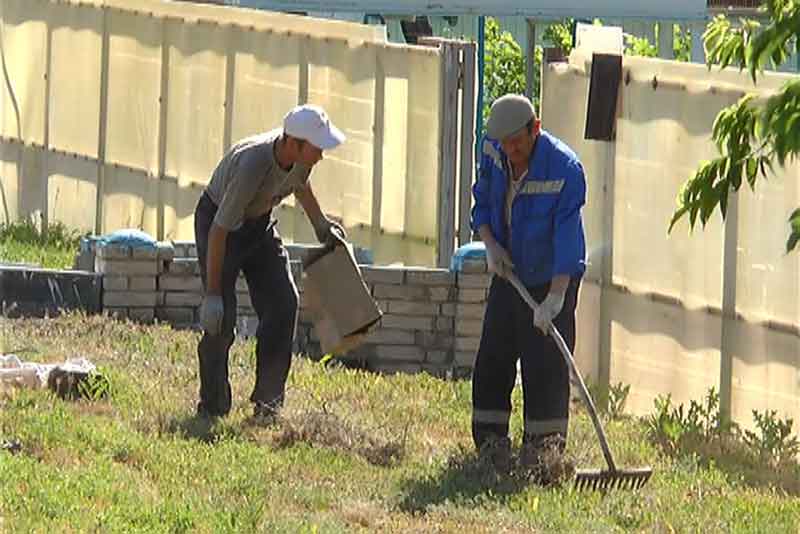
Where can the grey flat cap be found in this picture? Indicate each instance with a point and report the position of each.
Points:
(509, 114)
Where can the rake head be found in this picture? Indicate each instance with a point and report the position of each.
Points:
(603, 480)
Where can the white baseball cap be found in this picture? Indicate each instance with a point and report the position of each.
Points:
(311, 123)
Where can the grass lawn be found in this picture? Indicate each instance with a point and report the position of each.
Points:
(352, 452)
(54, 249)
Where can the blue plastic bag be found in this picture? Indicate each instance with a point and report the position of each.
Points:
(132, 237)
(471, 251)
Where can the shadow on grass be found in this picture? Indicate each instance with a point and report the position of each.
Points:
(207, 430)
(466, 477)
(741, 465)
(746, 468)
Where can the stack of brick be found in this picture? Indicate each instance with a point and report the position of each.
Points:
(182, 289)
(472, 290)
(432, 317)
(416, 331)
(130, 278)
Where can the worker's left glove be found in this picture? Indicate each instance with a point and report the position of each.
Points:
(548, 310)
(330, 232)
(212, 311)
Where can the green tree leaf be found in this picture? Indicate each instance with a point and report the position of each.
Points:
(794, 235)
(749, 136)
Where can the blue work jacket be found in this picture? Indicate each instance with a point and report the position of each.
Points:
(547, 237)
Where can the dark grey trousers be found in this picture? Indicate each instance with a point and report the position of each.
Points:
(256, 250)
(508, 335)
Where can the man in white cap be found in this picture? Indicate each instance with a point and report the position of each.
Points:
(528, 200)
(235, 231)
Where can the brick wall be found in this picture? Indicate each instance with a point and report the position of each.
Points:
(432, 317)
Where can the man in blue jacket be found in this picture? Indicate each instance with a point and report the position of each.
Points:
(527, 211)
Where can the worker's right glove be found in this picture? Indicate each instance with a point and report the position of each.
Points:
(497, 260)
(212, 311)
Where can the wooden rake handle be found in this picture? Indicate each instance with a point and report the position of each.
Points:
(562, 347)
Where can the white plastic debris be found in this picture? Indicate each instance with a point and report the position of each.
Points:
(17, 373)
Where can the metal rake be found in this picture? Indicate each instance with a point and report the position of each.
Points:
(591, 479)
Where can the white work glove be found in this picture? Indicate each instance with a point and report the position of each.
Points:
(211, 312)
(330, 232)
(497, 260)
(548, 310)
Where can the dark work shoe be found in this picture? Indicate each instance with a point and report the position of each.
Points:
(203, 412)
(265, 413)
(529, 457)
(546, 465)
(498, 452)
